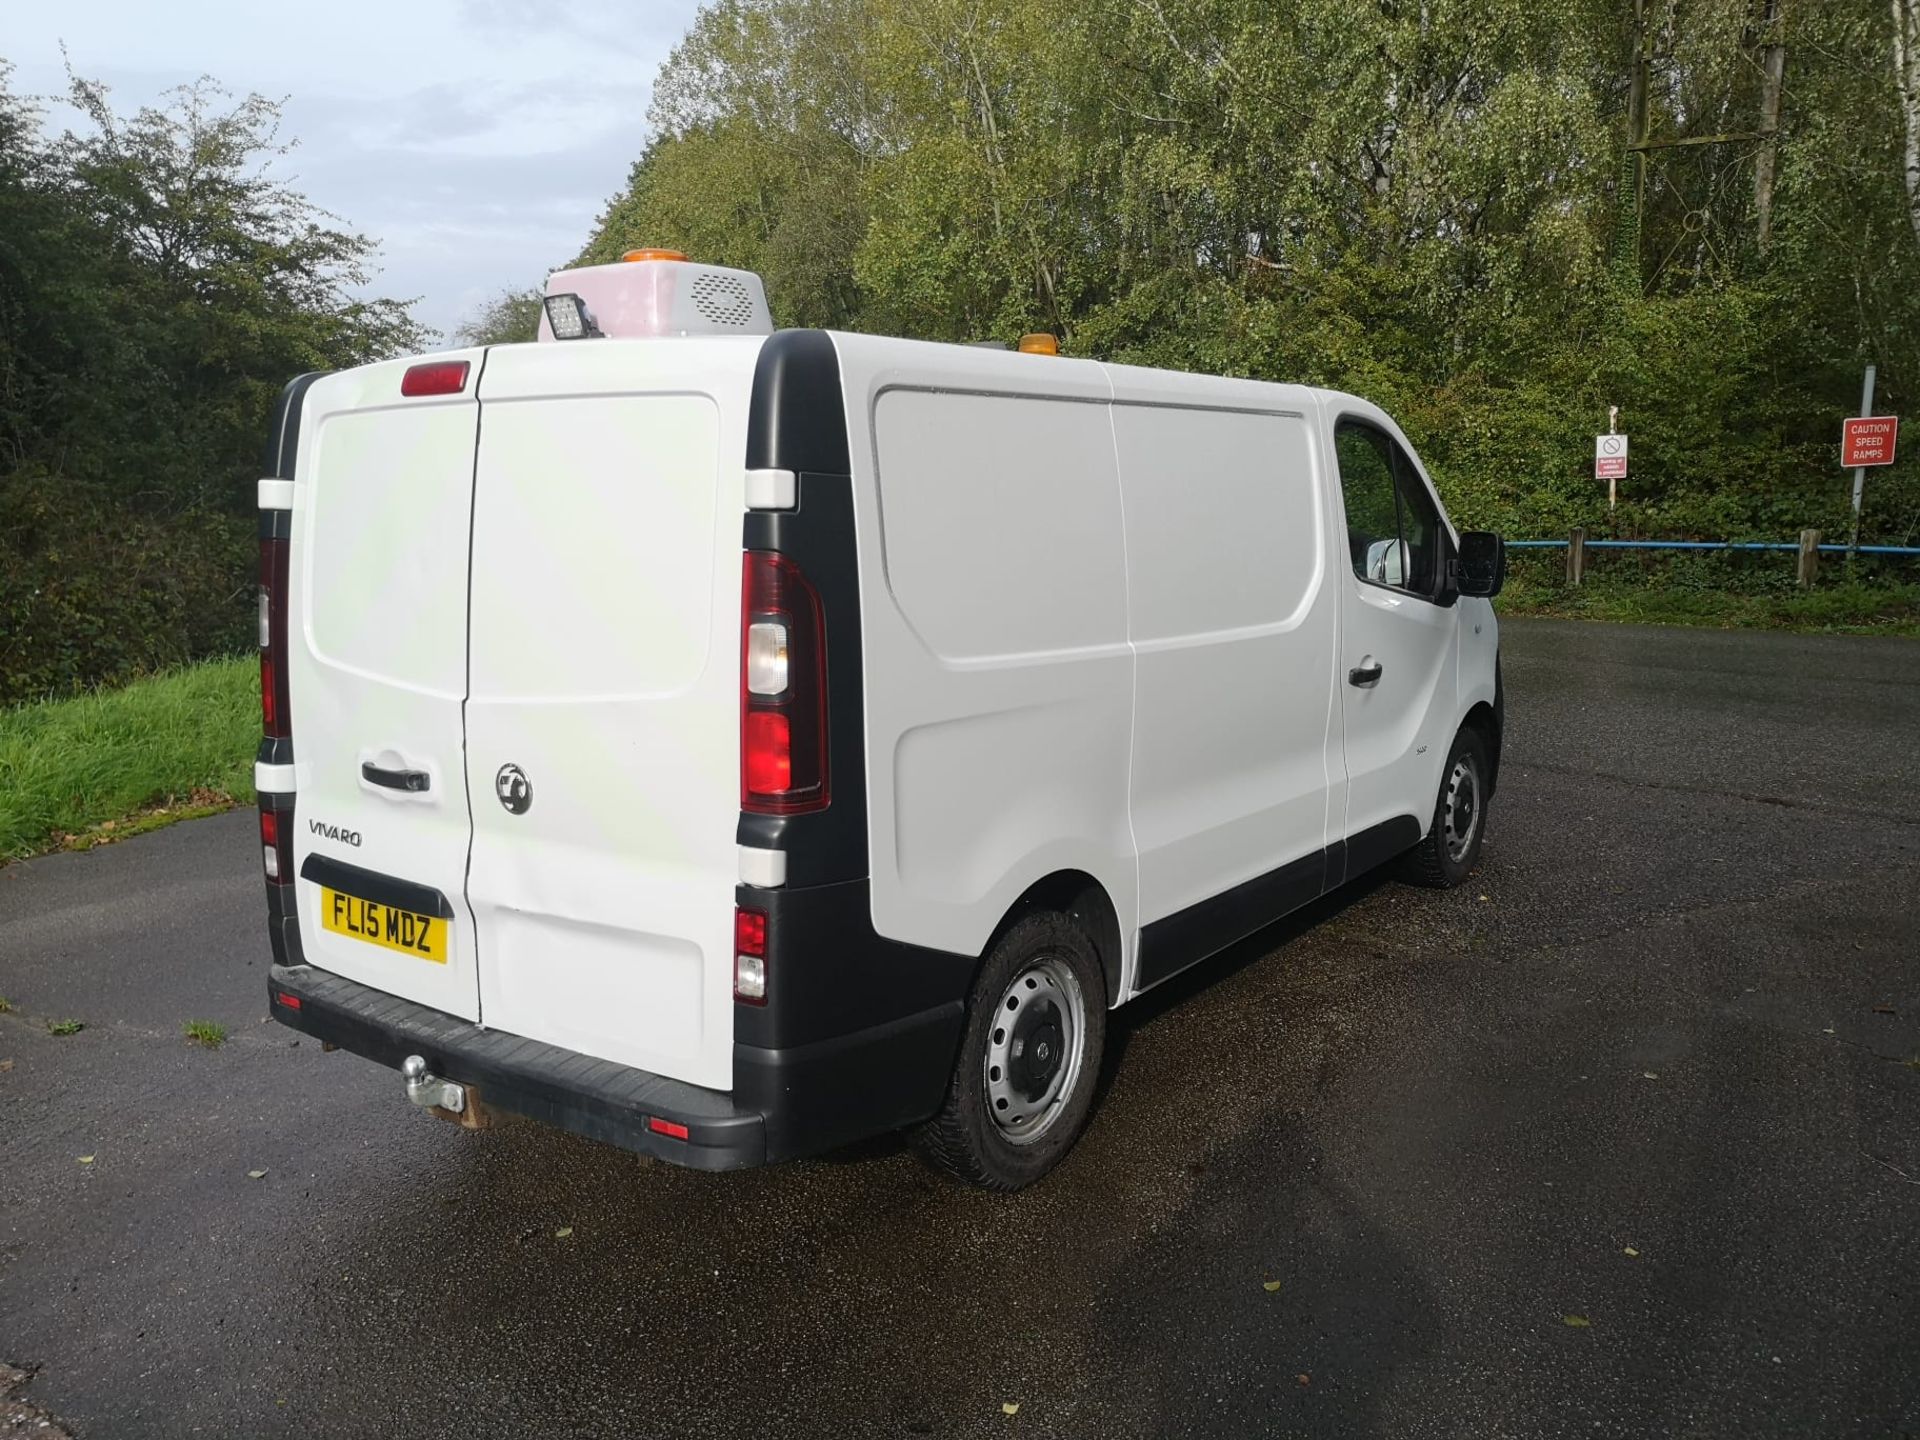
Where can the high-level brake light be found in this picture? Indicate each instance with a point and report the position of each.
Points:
(783, 689)
(435, 377)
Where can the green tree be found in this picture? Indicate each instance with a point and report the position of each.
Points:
(158, 286)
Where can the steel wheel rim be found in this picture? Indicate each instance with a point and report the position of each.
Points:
(1461, 807)
(1035, 1049)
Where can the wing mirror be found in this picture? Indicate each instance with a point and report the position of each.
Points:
(1482, 563)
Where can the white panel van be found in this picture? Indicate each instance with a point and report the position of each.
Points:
(732, 743)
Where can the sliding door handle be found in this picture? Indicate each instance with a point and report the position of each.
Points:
(1367, 673)
(414, 780)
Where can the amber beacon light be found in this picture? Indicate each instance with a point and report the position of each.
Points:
(1039, 345)
(634, 257)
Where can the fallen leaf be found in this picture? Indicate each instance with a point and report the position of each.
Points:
(1633, 1252)
(1578, 1322)
(1649, 1075)
(1009, 1407)
(86, 1159)
(5, 1065)
(1485, 897)
(1304, 1379)
(1270, 1286)
(256, 1174)
(563, 1232)
(1827, 1031)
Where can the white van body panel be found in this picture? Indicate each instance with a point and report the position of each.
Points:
(382, 498)
(1397, 732)
(998, 680)
(1232, 619)
(605, 664)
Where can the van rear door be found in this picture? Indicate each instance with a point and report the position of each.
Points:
(377, 674)
(603, 716)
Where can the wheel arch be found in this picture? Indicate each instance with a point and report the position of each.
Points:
(1485, 721)
(1084, 899)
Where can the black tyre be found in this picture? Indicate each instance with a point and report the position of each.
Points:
(1451, 847)
(1029, 1058)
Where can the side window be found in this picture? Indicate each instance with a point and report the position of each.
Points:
(1419, 525)
(1393, 527)
(1373, 515)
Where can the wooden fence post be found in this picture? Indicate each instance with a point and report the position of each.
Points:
(1809, 557)
(1576, 555)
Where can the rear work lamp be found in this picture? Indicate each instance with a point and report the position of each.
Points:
(570, 318)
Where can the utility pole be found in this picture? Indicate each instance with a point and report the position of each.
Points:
(1773, 69)
(1860, 471)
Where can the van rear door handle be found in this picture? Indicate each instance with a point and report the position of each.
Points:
(1365, 675)
(414, 780)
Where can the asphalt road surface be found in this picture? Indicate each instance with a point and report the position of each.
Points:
(1619, 1140)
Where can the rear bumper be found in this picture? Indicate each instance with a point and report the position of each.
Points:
(786, 1102)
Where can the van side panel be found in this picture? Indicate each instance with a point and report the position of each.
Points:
(1233, 626)
(998, 673)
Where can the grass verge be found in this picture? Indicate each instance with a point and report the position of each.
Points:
(1845, 608)
(96, 767)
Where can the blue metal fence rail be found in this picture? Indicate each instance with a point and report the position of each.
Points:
(1711, 545)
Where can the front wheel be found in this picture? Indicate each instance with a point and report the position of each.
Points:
(1023, 1082)
(1451, 848)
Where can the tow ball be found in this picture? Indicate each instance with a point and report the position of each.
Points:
(446, 1098)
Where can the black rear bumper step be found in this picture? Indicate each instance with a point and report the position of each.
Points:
(560, 1087)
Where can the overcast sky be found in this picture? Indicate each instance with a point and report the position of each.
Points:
(475, 140)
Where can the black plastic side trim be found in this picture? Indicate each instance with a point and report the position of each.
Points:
(1186, 937)
(283, 430)
(1380, 843)
(853, 1086)
(797, 420)
(829, 974)
(274, 751)
(372, 885)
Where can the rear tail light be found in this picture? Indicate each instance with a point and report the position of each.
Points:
(750, 956)
(783, 689)
(276, 845)
(276, 717)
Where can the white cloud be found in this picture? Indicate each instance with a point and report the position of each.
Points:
(476, 140)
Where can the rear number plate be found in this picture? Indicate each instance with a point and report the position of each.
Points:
(422, 936)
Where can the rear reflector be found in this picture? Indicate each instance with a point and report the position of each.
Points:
(276, 845)
(292, 1002)
(436, 377)
(666, 1127)
(750, 956)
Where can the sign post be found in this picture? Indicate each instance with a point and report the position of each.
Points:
(1610, 457)
(1868, 439)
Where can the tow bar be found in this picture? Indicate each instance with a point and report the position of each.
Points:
(446, 1098)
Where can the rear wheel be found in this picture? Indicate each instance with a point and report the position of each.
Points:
(1023, 1082)
(1451, 847)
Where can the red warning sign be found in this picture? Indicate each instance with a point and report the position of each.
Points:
(1868, 440)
